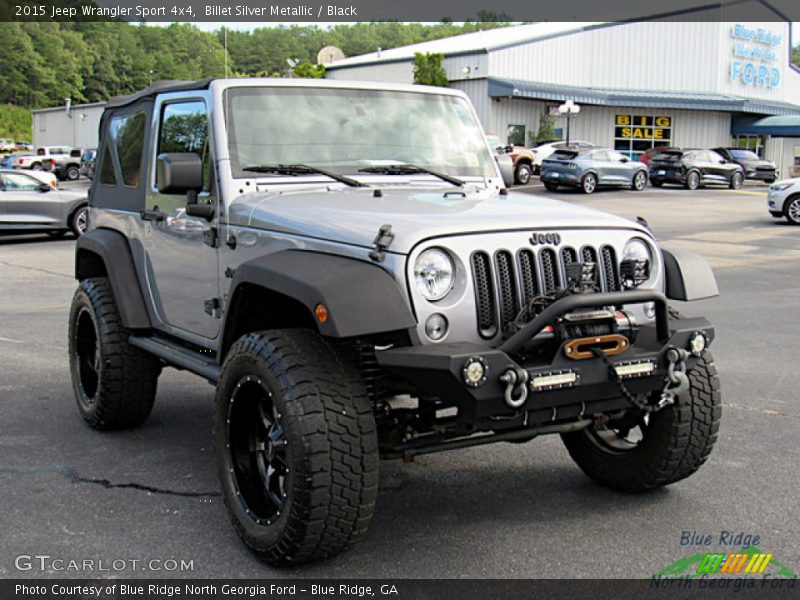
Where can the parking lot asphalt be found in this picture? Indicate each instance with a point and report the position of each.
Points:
(502, 511)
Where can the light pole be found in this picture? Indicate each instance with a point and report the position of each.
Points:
(569, 110)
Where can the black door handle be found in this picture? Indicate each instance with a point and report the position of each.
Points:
(152, 215)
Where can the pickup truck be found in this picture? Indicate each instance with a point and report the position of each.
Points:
(35, 162)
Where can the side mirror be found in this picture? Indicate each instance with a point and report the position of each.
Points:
(624, 159)
(506, 164)
(508, 149)
(44, 187)
(179, 173)
(723, 161)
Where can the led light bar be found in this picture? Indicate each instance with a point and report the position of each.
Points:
(549, 381)
(637, 369)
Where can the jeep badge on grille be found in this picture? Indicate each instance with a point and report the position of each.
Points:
(545, 238)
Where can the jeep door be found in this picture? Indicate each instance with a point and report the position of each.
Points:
(25, 202)
(181, 249)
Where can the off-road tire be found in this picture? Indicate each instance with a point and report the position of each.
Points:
(331, 446)
(679, 440)
(126, 377)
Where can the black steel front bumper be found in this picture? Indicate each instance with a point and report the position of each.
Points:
(438, 370)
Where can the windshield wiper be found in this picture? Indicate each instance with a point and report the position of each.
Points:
(406, 169)
(300, 169)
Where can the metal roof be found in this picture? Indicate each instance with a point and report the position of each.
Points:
(470, 43)
(776, 126)
(513, 88)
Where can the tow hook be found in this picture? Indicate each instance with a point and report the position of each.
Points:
(516, 392)
(677, 380)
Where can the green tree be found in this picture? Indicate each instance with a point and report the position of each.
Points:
(796, 56)
(428, 69)
(547, 129)
(309, 71)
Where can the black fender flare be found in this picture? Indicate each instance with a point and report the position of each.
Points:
(361, 298)
(688, 276)
(106, 253)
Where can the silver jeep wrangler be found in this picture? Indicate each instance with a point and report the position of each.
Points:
(344, 263)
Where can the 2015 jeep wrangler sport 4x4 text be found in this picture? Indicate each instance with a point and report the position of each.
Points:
(355, 288)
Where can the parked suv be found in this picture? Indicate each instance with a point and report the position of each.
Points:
(694, 168)
(543, 151)
(783, 200)
(36, 161)
(754, 166)
(377, 293)
(521, 156)
(590, 169)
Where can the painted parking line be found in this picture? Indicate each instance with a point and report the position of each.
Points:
(746, 192)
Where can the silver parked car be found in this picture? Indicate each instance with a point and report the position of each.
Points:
(589, 169)
(30, 202)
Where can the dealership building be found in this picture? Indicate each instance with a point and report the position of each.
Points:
(638, 84)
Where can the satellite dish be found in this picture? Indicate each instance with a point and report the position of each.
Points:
(329, 54)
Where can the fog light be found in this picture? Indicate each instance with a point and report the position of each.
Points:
(630, 370)
(474, 371)
(436, 327)
(650, 310)
(551, 381)
(698, 343)
(634, 272)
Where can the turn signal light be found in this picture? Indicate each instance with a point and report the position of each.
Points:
(321, 312)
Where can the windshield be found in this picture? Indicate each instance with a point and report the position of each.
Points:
(344, 130)
(744, 154)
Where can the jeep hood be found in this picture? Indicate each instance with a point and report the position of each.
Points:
(353, 216)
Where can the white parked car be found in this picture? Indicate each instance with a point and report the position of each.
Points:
(36, 161)
(540, 153)
(783, 200)
(7, 145)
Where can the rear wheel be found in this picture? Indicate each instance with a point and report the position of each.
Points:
(73, 173)
(37, 166)
(792, 210)
(114, 382)
(693, 180)
(736, 181)
(639, 452)
(589, 183)
(523, 174)
(639, 181)
(79, 222)
(296, 446)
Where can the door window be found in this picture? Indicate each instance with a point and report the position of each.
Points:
(17, 182)
(184, 128)
(127, 134)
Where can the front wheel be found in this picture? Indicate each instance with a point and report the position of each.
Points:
(639, 181)
(589, 183)
(523, 174)
(296, 446)
(736, 181)
(792, 211)
(639, 452)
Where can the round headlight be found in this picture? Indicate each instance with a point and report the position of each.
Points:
(434, 274)
(636, 249)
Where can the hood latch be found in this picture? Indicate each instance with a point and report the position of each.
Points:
(381, 242)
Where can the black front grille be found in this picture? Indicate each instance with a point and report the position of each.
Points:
(484, 294)
(504, 285)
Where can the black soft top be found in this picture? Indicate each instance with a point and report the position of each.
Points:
(159, 87)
